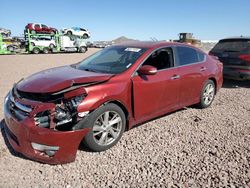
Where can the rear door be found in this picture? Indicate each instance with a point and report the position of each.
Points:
(37, 27)
(45, 28)
(192, 71)
(156, 94)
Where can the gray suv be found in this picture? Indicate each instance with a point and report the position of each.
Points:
(234, 53)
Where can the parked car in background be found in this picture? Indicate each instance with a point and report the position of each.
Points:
(72, 44)
(234, 53)
(40, 28)
(14, 44)
(77, 31)
(48, 114)
(5, 32)
(43, 41)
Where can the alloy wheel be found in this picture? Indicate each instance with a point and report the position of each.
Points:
(107, 128)
(208, 94)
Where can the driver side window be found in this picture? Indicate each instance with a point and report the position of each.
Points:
(161, 59)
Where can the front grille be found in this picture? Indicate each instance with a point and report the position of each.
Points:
(18, 110)
(41, 97)
(11, 135)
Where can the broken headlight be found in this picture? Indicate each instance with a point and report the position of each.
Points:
(65, 112)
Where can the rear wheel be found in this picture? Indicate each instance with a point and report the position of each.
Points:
(207, 94)
(85, 36)
(45, 50)
(107, 125)
(51, 46)
(33, 32)
(36, 50)
(69, 32)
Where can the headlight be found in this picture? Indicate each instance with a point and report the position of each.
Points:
(77, 100)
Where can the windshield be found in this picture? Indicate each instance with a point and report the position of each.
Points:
(113, 60)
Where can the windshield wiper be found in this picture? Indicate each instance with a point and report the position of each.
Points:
(90, 70)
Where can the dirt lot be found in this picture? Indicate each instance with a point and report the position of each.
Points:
(188, 148)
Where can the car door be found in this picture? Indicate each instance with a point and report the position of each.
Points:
(44, 28)
(157, 94)
(37, 27)
(192, 72)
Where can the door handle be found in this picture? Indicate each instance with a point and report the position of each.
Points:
(175, 77)
(203, 69)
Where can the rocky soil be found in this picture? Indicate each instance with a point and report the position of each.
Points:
(187, 148)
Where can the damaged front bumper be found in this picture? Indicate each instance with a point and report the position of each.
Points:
(37, 143)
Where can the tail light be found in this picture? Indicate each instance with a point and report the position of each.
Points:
(245, 57)
(213, 56)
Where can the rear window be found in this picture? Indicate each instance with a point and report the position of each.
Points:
(187, 55)
(232, 46)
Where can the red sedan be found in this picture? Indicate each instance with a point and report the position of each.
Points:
(50, 113)
(40, 28)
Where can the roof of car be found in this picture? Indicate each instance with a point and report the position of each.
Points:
(237, 38)
(150, 44)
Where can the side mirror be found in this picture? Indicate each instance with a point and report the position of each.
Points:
(147, 70)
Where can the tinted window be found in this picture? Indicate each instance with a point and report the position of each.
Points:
(161, 59)
(201, 56)
(187, 55)
(44, 26)
(232, 45)
(37, 25)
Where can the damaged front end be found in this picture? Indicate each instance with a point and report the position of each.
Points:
(57, 111)
(45, 126)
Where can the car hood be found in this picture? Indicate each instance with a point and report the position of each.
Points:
(57, 79)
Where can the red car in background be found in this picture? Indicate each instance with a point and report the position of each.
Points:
(48, 114)
(40, 28)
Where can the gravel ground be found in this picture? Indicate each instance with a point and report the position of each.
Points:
(187, 148)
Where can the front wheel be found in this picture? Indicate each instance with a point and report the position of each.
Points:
(107, 125)
(82, 49)
(36, 50)
(207, 94)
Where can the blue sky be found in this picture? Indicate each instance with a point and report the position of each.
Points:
(138, 19)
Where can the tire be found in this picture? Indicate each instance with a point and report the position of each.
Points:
(85, 36)
(45, 50)
(33, 32)
(36, 50)
(51, 46)
(69, 33)
(102, 136)
(11, 48)
(82, 49)
(207, 94)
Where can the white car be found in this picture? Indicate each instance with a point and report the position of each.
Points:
(77, 31)
(43, 41)
(73, 44)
